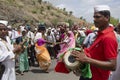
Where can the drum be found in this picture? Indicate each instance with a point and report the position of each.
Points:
(70, 61)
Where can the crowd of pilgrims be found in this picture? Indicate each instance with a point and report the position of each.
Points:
(54, 36)
(26, 46)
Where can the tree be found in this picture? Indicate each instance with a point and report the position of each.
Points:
(81, 17)
(114, 21)
(55, 21)
(70, 22)
(48, 7)
(64, 9)
(41, 9)
(70, 13)
(40, 1)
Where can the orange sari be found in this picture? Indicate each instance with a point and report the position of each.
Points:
(43, 56)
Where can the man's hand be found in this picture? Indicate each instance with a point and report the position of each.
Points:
(80, 56)
(18, 49)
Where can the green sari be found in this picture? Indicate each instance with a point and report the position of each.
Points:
(23, 58)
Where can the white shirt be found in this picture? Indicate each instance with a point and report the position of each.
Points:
(89, 39)
(31, 35)
(14, 34)
(37, 36)
(6, 50)
(6, 55)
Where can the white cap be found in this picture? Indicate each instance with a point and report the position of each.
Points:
(84, 28)
(36, 29)
(101, 8)
(110, 24)
(4, 22)
(49, 28)
(9, 26)
(22, 28)
(53, 29)
(67, 24)
(96, 29)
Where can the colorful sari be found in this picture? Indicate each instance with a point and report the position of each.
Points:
(65, 47)
(42, 55)
(60, 66)
(23, 58)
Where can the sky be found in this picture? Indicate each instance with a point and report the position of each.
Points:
(85, 8)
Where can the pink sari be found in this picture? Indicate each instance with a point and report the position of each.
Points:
(65, 47)
(60, 66)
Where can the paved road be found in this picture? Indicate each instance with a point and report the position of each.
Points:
(36, 74)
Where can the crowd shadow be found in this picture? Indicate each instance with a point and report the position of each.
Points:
(41, 71)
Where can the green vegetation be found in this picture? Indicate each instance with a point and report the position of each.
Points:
(70, 22)
(11, 1)
(114, 21)
(33, 11)
(40, 1)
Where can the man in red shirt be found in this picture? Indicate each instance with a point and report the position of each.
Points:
(103, 52)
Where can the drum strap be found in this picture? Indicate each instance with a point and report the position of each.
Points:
(86, 50)
(96, 42)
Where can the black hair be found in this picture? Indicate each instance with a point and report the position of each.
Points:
(41, 27)
(105, 13)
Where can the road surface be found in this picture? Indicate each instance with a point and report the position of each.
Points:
(36, 73)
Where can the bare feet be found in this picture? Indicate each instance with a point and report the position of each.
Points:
(22, 73)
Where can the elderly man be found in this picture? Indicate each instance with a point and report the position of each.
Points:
(7, 56)
(101, 55)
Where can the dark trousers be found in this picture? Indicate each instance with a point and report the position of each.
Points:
(57, 49)
(31, 54)
(51, 51)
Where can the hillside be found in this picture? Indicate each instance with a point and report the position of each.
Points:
(32, 12)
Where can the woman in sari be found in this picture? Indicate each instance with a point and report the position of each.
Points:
(68, 41)
(23, 58)
(42, 53)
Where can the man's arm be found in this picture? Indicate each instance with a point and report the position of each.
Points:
(107, 65)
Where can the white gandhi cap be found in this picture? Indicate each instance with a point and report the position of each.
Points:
(98, 8)
(4, 22)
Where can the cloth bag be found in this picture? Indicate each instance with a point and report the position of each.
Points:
(61, 68)
(86, 71)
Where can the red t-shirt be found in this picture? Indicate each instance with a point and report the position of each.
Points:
(104, 48)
